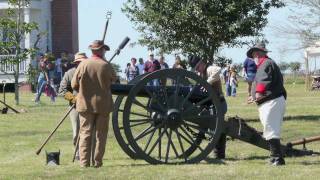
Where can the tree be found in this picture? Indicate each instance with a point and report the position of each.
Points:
(295, 66)
(222, 61)
(198, 27)
(283, 66)
(116, 67)
(303, 24)
(15, 31)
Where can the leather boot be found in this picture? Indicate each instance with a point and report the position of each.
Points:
(219, 150)
(276, 157)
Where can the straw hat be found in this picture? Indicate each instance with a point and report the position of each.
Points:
(213, 73)
(80, 56)
(98, 44)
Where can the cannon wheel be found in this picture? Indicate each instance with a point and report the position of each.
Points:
(175, 124)
(118, 127)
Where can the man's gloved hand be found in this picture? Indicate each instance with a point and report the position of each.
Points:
(250, 100)
(70, 97)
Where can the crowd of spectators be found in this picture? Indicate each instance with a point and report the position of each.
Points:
(152, 64)
(229, 73)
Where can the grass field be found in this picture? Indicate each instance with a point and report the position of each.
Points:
(21, 135)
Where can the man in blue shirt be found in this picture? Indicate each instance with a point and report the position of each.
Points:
(250, 70)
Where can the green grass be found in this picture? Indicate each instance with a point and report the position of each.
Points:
(21, 135)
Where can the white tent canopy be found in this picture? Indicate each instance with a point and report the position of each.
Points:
(311, 52)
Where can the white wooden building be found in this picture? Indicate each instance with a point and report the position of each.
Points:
(52, 17)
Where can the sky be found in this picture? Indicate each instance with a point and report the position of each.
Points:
(92, 19)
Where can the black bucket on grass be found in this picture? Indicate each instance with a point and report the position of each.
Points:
(53, 158)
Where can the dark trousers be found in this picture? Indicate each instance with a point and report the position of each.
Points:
(220, 148)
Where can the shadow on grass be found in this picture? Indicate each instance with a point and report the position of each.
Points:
(292, 118)
(143, 163)
(214, 161)
(251, 158)
(130, 165)
(309, 163)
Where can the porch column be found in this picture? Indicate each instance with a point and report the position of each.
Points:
(27, 42)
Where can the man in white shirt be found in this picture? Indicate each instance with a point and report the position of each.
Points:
(141, 66)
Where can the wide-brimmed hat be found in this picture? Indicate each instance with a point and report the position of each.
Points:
(259, 46)
(213, 73)
(97, 44)
(80, 56)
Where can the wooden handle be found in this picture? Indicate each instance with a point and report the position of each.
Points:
(305, 140)
(9, 107)
(55, 129)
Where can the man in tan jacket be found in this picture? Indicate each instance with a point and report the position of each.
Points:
(92, 80)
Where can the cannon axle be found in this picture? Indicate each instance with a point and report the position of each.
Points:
(174, 119)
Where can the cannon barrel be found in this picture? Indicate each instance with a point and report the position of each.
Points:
(196, 96)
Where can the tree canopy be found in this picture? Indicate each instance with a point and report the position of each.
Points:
(303, 23)
(198, 27)
(294, 66)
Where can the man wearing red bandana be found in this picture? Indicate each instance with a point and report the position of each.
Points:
(92, 80)
(270, 95)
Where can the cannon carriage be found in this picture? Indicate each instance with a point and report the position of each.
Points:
(180, 120)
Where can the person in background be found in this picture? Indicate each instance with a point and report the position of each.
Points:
(64, 61)
(270, 95)
(178, 64)
(224, 73)
(162, 62)
(126, 71)
(141, 66)
(193, 61)
(133, 70)
(58, 72)
(250, 70)
(152, 65)
(43, 77)
(200, 68)
(233, 81)
(227, 75)
(67, 92)
(50, 88)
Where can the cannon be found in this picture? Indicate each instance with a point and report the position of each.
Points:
(180, 120)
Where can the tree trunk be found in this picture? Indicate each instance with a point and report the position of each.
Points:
(16, 84)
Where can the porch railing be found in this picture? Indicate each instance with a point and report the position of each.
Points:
(8, 68)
